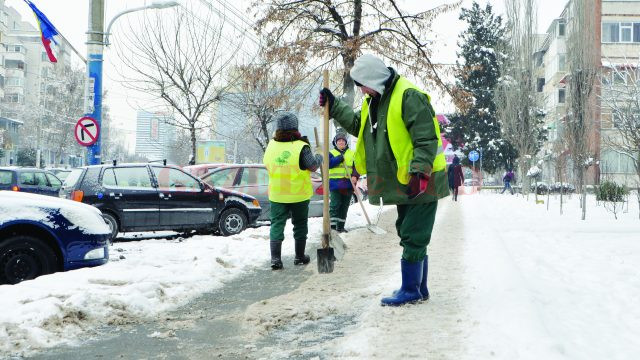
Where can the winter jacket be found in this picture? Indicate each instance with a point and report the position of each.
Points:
(380, 163)
(456, 176)
(344, 183)
(508, 177)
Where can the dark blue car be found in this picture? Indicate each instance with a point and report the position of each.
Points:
(31, 180)
(40, 235)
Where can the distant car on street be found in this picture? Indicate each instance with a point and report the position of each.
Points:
(253, 179)
(60, 173)
(201, 170)
(40, 235)
(471, 182)
(150, 197)
(31, 180)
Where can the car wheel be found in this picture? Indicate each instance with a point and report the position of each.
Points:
(24, 258)
(113, 225)
(232, 221)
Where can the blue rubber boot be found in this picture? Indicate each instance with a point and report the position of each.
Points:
(423, 285)
(410, 290)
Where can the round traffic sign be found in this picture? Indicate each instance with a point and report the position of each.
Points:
(474, 156)
(86, 131)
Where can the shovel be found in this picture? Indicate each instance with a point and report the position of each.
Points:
(373, 228)
(327, 254)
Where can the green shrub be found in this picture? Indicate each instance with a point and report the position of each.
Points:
(610, 191)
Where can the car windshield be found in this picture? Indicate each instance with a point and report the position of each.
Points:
(72, 179)
(5, 177)
(62, 175)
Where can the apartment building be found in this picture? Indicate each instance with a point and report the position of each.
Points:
(618, 40)
(154, 137)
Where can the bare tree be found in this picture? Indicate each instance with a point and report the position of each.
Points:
(330, 32)
(182, 62)
(518, 109)
(583, 66)
(621, 95)
(262, 90)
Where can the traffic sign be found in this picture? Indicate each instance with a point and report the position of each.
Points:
(87, 131)
(474, 156)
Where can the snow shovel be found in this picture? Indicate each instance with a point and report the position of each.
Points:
(327, 254)
(371, 227)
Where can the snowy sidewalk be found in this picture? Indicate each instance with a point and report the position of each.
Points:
(508, 280)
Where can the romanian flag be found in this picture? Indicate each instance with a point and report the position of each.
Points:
(47, 30)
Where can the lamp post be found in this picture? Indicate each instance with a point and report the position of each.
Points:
(96, 40)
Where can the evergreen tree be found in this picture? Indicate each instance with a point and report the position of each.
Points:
(475, 125)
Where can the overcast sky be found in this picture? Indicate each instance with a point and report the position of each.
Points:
(71, 19)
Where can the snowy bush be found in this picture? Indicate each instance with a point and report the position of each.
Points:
(612, 195)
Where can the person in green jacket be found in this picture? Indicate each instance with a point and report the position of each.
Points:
(400, 149)
(289, 161)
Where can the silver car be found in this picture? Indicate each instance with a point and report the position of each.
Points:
(253, 179)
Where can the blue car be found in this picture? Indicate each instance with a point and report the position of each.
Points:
(40, 235)
(31, 180)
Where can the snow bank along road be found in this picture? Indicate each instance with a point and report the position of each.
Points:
(508, 280)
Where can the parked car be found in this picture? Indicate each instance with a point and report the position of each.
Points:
(60, 173)
(40, 235)
(149, 197)
(201, 170)
(31, 180)
(253, 179)
(471, 182)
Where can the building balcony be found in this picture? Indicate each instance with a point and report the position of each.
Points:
(17, 56)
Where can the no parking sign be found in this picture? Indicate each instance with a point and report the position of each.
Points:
(86, 131)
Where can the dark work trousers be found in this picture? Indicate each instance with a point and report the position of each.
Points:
(299, 214)
(414, 226)
(339, 207)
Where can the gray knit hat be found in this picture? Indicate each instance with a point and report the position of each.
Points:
(340, 135)
(286, 121)
(371, 72)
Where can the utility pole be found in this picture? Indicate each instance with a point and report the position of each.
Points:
(93, 92)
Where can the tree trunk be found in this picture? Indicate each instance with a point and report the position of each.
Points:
(192, 133)
(347, 81)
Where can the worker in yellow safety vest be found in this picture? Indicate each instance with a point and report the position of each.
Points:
(342, 177)
(289, 162)
(400, 149)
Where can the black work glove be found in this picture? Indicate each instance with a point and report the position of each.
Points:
(417, 185)
(326, 95)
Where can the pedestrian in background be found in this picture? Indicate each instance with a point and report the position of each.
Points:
(341, 172)
(507, 179)
(289, 161)
(455, 177)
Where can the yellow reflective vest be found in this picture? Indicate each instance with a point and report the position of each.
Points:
(339, 172)
(287, 182)
(399, 137)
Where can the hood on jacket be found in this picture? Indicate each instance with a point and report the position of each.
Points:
(371, 72)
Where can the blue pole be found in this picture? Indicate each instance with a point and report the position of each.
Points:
(94, 64)
(95, 46)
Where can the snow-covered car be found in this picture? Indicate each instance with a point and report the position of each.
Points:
(40, 235)
(471, 182)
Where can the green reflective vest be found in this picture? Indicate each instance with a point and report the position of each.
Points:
(399, 137)
(287, 182)
(339, 172)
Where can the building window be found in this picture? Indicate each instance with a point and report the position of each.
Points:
(626, 29)
(562, 28)
(14, 81)
(610, 32)
(562, 62)
(540, 84)
(615, 162)
(561, 96)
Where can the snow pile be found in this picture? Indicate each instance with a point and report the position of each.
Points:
(141, 280)
(534, 171)
(25, 206)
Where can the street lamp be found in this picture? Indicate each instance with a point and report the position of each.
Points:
(154, 5)
(96, 40)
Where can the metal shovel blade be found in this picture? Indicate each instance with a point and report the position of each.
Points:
(326, 259)
(376, 229)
